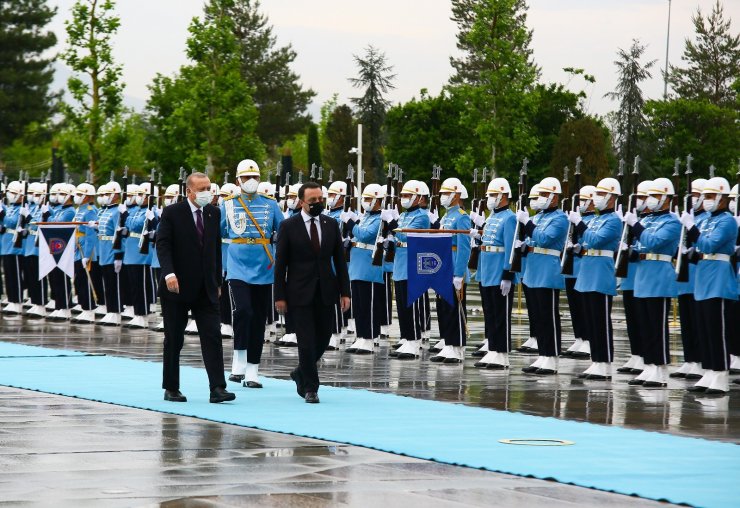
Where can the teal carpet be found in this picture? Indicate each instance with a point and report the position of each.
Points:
(646, 464)
(9, 350)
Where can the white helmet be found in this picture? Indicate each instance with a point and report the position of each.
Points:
(534, 192)
(661, 187)
(733, 200)
(698, 185)
(373, 190)
(587, 192)
(643, 187)
(36, 188)
(214, 189)
(550, 185)
(103, 189)
(293, 189)
(499, 186)
(229, 189)
(132, 188)
(57, 188)
(610, 185)
(114, 187)
(717, 185)
(85, 189)
(423, 189)
(146, 189)
(454, 185)
(412, 187)
(338, 187)
(247, 167)
(172, 190)
(15, 188)
(733, 191)
(264, 188)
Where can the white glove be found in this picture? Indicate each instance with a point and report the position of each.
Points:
(122, 208)
(517, 243)
(480, 220)
(505, 287)
(457, 282)
(117, 265)
(623, 246)
(24, 211)
(675, 213)
(630, 218)
(618, 212)
(433, 216)
(85, 261)
(687, 219)
(93, 224)
(345, 216)
(474, 217)
(44, 208)
(737, 219)
(474, 233)
(523, 216)
(577, 248)
(286, 214)
(149, 214)
(388, 215)
(159, 211)
(574, 217)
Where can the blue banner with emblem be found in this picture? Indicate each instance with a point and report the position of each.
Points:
(56, 249)
(430, 265)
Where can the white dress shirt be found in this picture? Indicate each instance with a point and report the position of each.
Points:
(307, 221)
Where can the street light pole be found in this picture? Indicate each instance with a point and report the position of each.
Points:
(667, 43)
(359, 167)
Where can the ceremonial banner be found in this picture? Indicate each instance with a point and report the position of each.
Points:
(56, 248)
(430, 265)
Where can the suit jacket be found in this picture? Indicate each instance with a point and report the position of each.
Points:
(298, 269)
(197, 268)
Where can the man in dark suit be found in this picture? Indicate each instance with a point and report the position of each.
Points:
(307, 284)
(189, 251)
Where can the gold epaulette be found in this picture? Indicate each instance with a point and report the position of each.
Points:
(266, 196)
(228, 198)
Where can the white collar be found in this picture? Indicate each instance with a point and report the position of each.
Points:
(306, 217)
(193, 207)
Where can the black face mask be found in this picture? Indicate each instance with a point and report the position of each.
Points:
(315, 209)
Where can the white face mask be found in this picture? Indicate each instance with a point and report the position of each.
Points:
(733, 206)
(697, 203)
(332, 202)
(168, 201)
(407, 202)
(78, 200)
(640, 204)
(220, 201)
(494, 201)
(446, 200)
(105, 200)
(710, 205)
(654, 203)
(291, 202)
(250, 186)
(139, 200)
(12, 196)
(583, 205)
(203, 198)
(368, 206)
(53, 199)
(543, 202)
(130, 201)
(600, 202)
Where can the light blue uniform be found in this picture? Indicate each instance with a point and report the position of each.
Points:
(152, 247)
(10, 222)
(687, 288)
(135, 224)
(413, 218)
(586, 218)
(597, 271)
(498, 231)
(365, 233)
(657, 233)
(31, 245)
(457, 218)
(107, 224)
(87, 236)
(549, 232)
(334, 214)
(249, 262)
(718, 235)
(63, 214)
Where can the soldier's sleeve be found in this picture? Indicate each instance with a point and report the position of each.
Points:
(611, 229)
(509, 228)
(710, 242)
(463, 245)
(662, 236)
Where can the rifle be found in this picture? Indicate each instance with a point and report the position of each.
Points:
(682, 256)
(312, 176)
(346, 233)
(620, 176)
(117, 238)
(567, 259)
(436, 183)
(17, 237)
(144, 240)
(566, 190)
(4, 180)
(276, 184)
(474, 247)
(621, 264)
(321, 176)
(160, 200)
(181, 182)
(383, 235)
(515, 259)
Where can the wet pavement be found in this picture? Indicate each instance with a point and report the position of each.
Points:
(76, 453)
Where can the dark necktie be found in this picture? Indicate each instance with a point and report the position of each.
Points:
(199, 225)
(315, 237)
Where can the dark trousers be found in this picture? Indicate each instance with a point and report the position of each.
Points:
(497, 317)
(313, 333)
(111, 288)
(690, 328)
(368, 298)
(530, 311)
(96, 274)
(734, 345)
(141, 287)
(577, 314)
(205, 313)
(338, 319)
(13, 271)
(387, 317)
(37, 289)
(272, 314)
(544, 305)
(453, 319)
(409, 316)
(632, 317)
(225, 303)
(84, 290)
(715, 318)
(426, 312)
(597, 312)
(652, 314)
(125, 290)
(250, 303)
(61, 287)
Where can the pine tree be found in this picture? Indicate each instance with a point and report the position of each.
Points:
(629, 119)
(376, 79)
(26, 76)
(278, 93)
(712, 62)
(339, 137)
(314, 149)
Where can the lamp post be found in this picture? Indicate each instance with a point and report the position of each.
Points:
(667, 44)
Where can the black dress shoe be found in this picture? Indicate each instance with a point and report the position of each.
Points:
(734, 372)
(351, 350)
(545, 372)
(636, 371)
(452, 360)
(332, 348)
(219, 394)
(653, 384)
(566, 354)
(480, 365)
(479, 353)
(174, 396)
(714, 391)
(295, 376)
(236, 378)
(530, 369)
(312, 397)
(625, 370)
(636, 382)
(582, 375)
(252, 384)
(578, 355)
(526, 349)
(437, 359)
(694, 376)
(396, 345)
(677, 375)
(736, 381)
(393, 354)
(697, 389)
(496, 366)
(598, 377)
(362, 352)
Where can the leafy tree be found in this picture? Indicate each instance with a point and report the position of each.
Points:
(712, 62)
(95, 86)
(376, 79)
(327, 108)
(585, 138)
(629, 118)
(26, 76)
(31, 151)
(297, 147)
(277, 91)
(339, 137)
(313, 148)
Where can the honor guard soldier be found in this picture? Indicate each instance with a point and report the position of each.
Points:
(581, 348)
(269, 189)
(735, 343)
(453, 321)
(11, 251)
(86, 240)
(494, 276)
(596, 283)
(368, 288)
(110, 259)
(546, 234)
(37, 289)
(227, 190)
(170, 197)
(691, 332)
(127, 297)
(530, 345)
(251, 220)
(657, 237)
(413, 217)
(292, 207)
(425, 308)
(336, 195)
(716, 283)
(61, 285)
